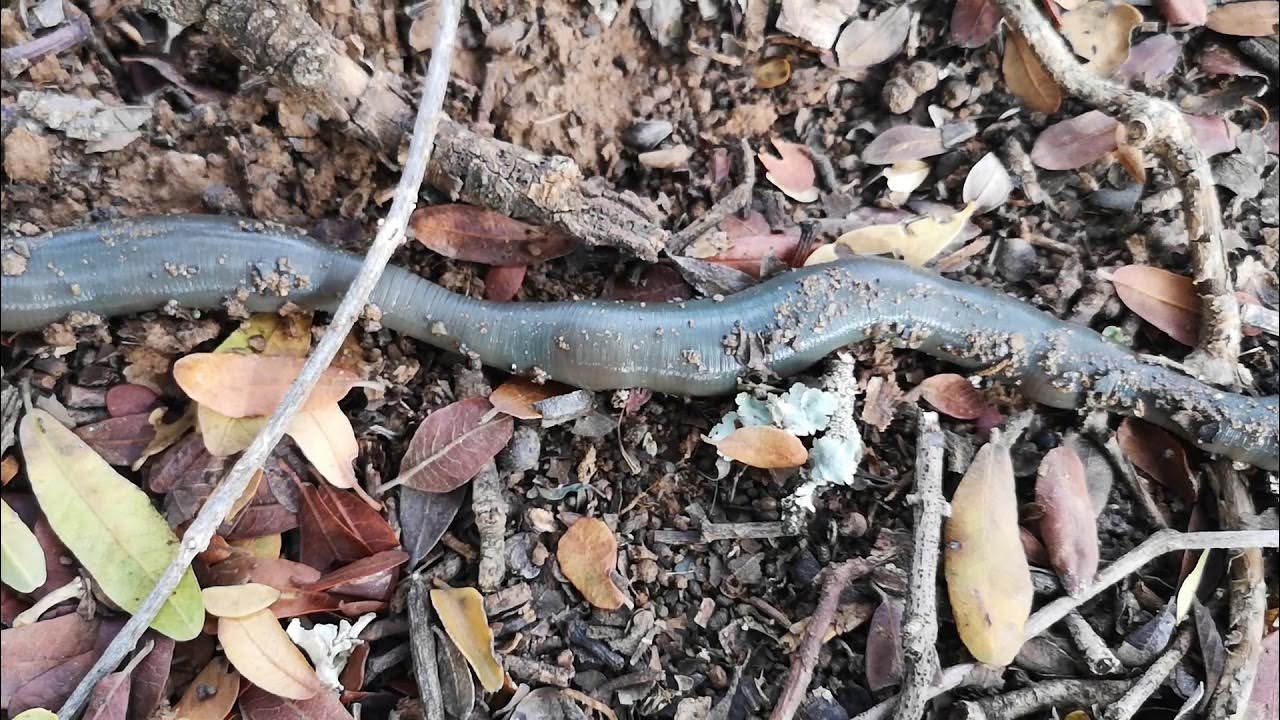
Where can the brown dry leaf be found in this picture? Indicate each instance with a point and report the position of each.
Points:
(502, 283)
(905, 176)
(884, 646)
(211, 695)
(516, 396)
(880, 402)
(1160, 455)
(974, 23)
(8, 469)
(1130, 158)
(325, 436)
(452, 445)
(1067, 527)
(916, 242)
(1151, 60)
(1027, 78)
(1076, 142)
(791, 171)
(588, 554)
(233, 601)
(951, 395)
(258, 647)
(988, 579)
(1214, 135)
(864, 43)
(1099, 32)
(903, 142)
(239, 385)
(1184, 12)
(1257, 18)
(461, 612)
(762, 446)
(1166, 300)
(466, 232)
(773, 73)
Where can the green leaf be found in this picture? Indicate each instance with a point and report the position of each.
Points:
(107, 523)
(21, 557)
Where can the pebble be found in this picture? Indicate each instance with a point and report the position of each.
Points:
(646, 134)
(1017, 259)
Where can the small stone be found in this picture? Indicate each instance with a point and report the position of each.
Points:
(523, 452)
(27, 156)
(898, 96)
(854, 525)
(922, 76)
(956, 93)
(1017, 259)
(646, 134)
(718, 678)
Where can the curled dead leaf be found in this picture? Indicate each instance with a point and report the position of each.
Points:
(1027, 77)
(461, 612)
(466, 232)
(916, 242)
(517, 395)
(763, 446)
(588, 555)
(1067, 527)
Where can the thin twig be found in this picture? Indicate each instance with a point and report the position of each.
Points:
(224, 496)
(1042, 696)
(422, 644)
(1098, 658)
(1160, 124)
(920, 618)
(1165, 541)
(815, 631)
(738, 199)
(1151, 680)
(22, 56)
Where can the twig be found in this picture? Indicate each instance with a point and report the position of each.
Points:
(1098, 658)
(490, 508)
(793, 691)
(22, 56)
(738, 199)
(1151, 680)
(422, 643)
(1158, 123)
(224, 496)
(1165, 541)
(920, 617)
(1041, 696)
(1248, 601)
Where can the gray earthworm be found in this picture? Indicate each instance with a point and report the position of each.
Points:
(700, 347)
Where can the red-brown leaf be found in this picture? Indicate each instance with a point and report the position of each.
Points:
(466, 232)
(1166, 300)
(424, 518)
(904, 142)
(337, 527)
(951, 395)
(1075, 142)
(1184, 12)
(974, 22)
(747, 253)
(130, 399)
(884, 646)
(150, 677)
(1067, 527)
(33, 650)
(119, 440)
(371, 578)
(1214, 135)
(109, 699)
(501, 283)
(453, 443)
(1158, 454)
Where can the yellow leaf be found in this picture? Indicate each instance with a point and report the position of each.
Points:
(36, 714)
(1099, 32)
(107, 523)
(258, 647)
(822, 254)
(271, 334)
(1026, 77)
(234, 601)
(763, 446)
(588, 554)
(240, 385)
(225, 436)
(267, 546)
(773, 72)
(988, 580)
(21, 557)
(326, 438)
(166, 433)
(212, 695)
(916, 241)
(461, 612)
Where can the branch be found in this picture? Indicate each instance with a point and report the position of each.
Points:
(422, 644)
(1165, 541)
(389, 237)
(920, 618)
(1151, 680)
(1158, 123)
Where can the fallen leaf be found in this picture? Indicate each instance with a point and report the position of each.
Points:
(1099, 32)
(1151, 60)
(457, 688)
(1076, 142)
(1190, 587)
(772, 73)
(150, 676)
(880, 402)
(1167, 300)
(952, 395)
(1027, 77)
(988, 184)
(502, 283)
(452, 444)
(337, 527)
(22, 561)
(119, 440)
(1217, 59)
(109, 699)
(916, 242)
(129, 399)
(791, 171)
(260, 650)
(235, 601)
(107, 522)
(675, 157)
(225, 436)
(974, 22)
(1256, 18)
(517, 395)
(1067, 527)
(241, 385)
(212, 694)
(588, 554)
(988, 579)
(466, 232)
(746, 248)
(371, 578)
(1212, 650)
(32, 652)
(35, 714)
(1264, 702)
(864, 43)
(1158, 454)
(815, 21)
(884, 646)
(763, 446)
(1184, 12)
(903, 142)
(424, 518)
(1214, 135)
(461, 612)
(258, 704)
(905, 176)
(326, 438)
